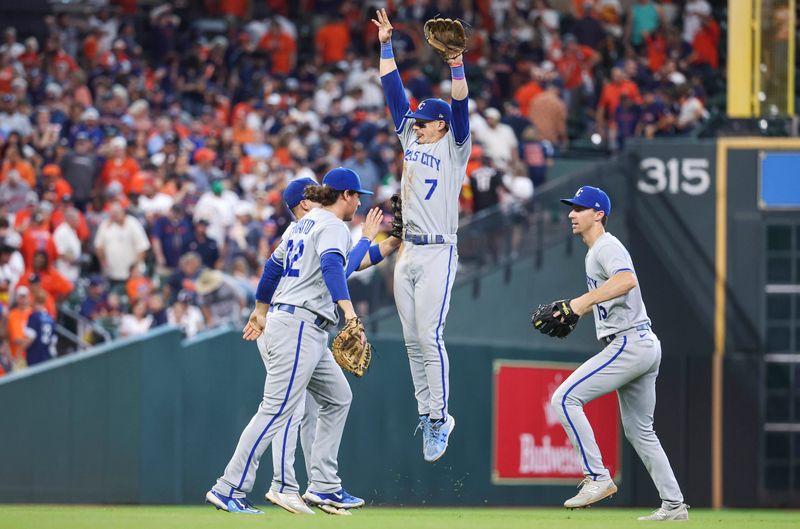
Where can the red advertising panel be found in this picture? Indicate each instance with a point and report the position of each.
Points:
(530, 445)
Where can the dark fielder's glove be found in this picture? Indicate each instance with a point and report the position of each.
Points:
(397, 216)
(350, 349)
(555, 319)
(446, 36)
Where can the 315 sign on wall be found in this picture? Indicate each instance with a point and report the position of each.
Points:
(675, 175)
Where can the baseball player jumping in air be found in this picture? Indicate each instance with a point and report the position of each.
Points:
(304, 280)
(436, 143)
(285, 491)
(628, 364)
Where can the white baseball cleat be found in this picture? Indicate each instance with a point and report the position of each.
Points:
(676, 514)
(330, 509)
(591, 492)
(291, 501)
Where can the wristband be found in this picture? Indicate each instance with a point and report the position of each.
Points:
(375, 254)
(457, 72)
(386, 50)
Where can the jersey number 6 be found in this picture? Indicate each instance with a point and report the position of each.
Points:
(432, 182)
(293, 253)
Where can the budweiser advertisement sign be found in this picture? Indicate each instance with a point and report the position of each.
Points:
(530, 445)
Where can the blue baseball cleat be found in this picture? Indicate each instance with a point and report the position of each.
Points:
(439, 435)
(425, 426)
(341, 499)
(229, 504)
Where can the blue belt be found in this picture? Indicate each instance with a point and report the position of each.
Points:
(320, 322)
(424, 239)
(610, 338)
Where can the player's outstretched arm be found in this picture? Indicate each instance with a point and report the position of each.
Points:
(385, 30)
(460, 103)
(617, 285)
(459, 90)
(393, 89)
(363, 255)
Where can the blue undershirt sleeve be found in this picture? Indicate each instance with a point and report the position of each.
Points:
(332, 264)
(395, 98)
(270, 278)
(460, 121)
(356, 255)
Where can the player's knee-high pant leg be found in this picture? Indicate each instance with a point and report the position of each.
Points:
(637, 403)
(601, 374)
(405, 273)
(330, 389)
(294, 348)
(284, 445)
(432, 303)
(285, 442)
(308, 430)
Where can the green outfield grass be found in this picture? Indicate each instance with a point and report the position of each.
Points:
(149, 517)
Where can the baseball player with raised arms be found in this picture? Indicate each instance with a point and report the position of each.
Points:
(436, 144)
(284, 490)
(628, 364)
(305, 281)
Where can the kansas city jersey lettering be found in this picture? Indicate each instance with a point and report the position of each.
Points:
(432, 177)
(423, 158)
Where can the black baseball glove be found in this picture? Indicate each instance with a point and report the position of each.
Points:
(397, 216)
(555, 319)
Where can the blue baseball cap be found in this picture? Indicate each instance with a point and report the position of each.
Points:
(342, 179)
(590, 197)
(432, 110)
(293, 193)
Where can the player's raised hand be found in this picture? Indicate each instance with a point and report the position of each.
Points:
(385, 27)
(254, 326)
(372, 224)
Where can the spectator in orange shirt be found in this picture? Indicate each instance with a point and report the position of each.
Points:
(609, 100)
(573, 63)
(37, 236)
(56, 285)
(138, 287)
(119, 167)
(17, 320)
(281, 48)
(30, 57)
(704, 46)
(53, 180)
(13, 161)
(525, 94)
(656, 49)
(332, 41)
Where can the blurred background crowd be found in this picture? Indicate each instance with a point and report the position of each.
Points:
(144, 147)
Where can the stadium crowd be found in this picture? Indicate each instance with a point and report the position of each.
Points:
(144, 149)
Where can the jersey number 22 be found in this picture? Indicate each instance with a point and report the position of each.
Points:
(293, 253)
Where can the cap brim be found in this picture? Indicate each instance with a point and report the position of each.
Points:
(363, 191)
(418, 115)
(570, 202)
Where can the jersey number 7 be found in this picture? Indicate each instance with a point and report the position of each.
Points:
(293, 253)
(433, 182)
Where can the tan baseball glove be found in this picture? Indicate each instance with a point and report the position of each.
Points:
(446, 36)
(350, 349)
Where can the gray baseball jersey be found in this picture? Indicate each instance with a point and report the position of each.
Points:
(628, 365)
(297, 359)
(302, 285)
(432, 177)
(606, 257)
